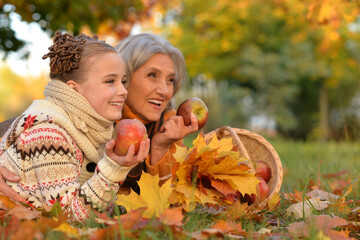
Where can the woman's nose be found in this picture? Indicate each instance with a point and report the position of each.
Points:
(162, 88)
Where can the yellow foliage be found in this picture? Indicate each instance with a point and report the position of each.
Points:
(68, 230)
(210, 172)
(153, 197)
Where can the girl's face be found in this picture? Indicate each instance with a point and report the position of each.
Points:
(103, 86)
(152, 87)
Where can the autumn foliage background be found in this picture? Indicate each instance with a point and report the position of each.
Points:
(285, 69)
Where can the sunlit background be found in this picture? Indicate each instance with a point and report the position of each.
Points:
(282, 68)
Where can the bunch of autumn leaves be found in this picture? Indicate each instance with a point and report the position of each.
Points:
(211, 173)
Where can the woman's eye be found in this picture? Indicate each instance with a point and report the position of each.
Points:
(152, 75)
(172, 80)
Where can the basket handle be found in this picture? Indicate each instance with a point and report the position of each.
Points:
(236, 138)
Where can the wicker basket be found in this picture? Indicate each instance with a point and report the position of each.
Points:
(255, 147)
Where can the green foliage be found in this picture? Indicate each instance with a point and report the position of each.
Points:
(274, 54)
(71, 16)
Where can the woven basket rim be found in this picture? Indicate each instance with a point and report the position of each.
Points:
(275, 165)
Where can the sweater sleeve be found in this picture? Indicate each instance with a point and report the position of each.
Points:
(163, 167)
(49, 163)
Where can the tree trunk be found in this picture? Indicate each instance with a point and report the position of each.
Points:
(324, 113)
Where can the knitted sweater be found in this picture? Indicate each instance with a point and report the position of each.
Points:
(48, 152)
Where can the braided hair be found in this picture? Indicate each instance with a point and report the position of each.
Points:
(68, 55)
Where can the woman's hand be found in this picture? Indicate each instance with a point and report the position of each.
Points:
(130, 159)
(5, 189)
(171, 131)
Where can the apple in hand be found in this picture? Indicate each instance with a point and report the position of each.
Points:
(263, 170)
(128, 132)
(193, 105)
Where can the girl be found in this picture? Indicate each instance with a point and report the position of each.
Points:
(58, 138)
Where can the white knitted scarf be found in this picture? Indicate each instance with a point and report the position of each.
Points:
(95, 127)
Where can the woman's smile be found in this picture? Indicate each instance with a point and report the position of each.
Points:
(152, 87)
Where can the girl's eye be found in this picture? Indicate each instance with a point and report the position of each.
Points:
(110, 81)
(124, 81)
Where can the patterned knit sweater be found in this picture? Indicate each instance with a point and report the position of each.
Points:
(47, 152)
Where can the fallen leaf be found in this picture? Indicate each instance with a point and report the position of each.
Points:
(172, 217)
(134, 219)
(304, 209)
(320, 223)
(323, 195)
(153, 197)
(294, 197)
(104, 218)
(18, 210)
(273, 201)
(69, 230)
(237, 210)
(337, 174)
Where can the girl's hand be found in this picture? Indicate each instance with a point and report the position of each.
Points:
(5, 189)
(171, 131)
(130, 159)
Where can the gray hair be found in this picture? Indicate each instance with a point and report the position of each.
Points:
(137, 49)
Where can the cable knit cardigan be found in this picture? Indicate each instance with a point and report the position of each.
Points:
(49, 157)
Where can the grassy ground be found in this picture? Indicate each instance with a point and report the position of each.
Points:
(305, 160)
(305, 163)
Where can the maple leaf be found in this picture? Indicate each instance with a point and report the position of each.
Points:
(211, 173)
(18, 210)
(294, 197)
(273, 201)
(154, 197)
(172, 217)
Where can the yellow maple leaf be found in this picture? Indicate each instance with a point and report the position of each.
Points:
(153, 197)
(225, 144)
(246, 183)
(199, 142)
(181, 153)
(196, 176)
(273, 201)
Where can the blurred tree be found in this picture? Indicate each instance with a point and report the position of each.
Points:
(17, 93)
(115, 17)
(292, 56)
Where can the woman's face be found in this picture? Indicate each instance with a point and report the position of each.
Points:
(103, 85)
(152, 87)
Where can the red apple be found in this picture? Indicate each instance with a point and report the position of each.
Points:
(263, 170)
(193, 105)
(263, 189)
(128, 132)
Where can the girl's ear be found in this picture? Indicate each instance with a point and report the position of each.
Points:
(72, 84)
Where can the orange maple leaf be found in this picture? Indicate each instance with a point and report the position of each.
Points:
(211, 173)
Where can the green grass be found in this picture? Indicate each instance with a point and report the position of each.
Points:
(303, 161)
